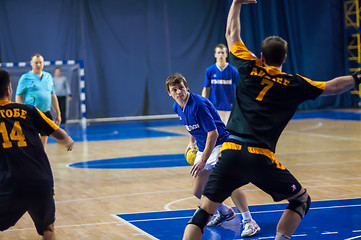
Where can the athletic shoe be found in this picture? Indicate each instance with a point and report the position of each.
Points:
(221, 218)
(250, 228)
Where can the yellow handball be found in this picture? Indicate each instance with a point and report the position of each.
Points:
(191, 156)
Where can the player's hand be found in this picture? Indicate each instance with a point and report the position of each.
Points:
(70, 144)
(192, 146)
(57, 120)
(197, 168)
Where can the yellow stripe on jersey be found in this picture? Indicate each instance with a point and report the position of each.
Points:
(268, 153)
(240, 50)
(231, 145)
(320, 85)
(51, 123)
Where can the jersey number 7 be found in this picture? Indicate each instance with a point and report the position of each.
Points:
(268, 84)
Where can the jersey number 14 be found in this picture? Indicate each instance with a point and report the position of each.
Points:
(16, 134)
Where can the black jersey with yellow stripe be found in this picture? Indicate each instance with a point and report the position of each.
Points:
(23, 159)
(266, 98)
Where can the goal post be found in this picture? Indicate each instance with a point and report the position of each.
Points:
(73, 70)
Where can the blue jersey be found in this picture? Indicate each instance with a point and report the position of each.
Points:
(222, 83)
(200, 117)
(36, 91)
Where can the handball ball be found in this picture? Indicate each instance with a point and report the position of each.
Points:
(191, 156)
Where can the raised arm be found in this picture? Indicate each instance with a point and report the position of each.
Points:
(342, 84)
(339, 85)
(233, 30)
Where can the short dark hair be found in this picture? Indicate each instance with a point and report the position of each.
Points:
(221, 46)
(4, 82)
(175, 79)
(274, 50)
(36, 55)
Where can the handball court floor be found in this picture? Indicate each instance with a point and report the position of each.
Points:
(129, 180)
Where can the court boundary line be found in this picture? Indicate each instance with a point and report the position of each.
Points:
(142, 232)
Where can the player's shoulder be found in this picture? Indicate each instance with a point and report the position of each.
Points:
(211, 68)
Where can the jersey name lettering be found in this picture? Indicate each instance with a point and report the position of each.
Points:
(13, 113)
(262, 73)
(192, 127)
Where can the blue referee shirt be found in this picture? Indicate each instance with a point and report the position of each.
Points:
(36, 91)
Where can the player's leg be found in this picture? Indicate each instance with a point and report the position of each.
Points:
(49, 233)
(12, 208)
(292, 216)
(42, 211)
(250, 227)
(198, 222)
(276, 180)
(224, 212)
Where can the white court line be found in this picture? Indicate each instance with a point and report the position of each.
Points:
(166, 207)
(318, 125)
(134, 227)
(329, 233)
(322, 135)
(356, 231)
(255, 212)
(120, 195)
(353, 238)
(66, 226)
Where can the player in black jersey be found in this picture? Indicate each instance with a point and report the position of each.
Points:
(26, 179)
(266, 99)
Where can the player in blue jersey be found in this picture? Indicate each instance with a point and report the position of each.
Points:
(26, 179)
(266, 99)
(36, 88)
(219, 83)
(207, 132)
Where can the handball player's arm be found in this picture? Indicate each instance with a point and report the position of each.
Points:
(233, 30)
(340, 85)
(212, 137)
(205, 92)
(63, 138)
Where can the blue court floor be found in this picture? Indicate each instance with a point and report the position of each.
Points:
(328, 220)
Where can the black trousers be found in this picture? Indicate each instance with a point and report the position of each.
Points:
(62, 106)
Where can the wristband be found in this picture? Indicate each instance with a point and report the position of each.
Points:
(357, 77)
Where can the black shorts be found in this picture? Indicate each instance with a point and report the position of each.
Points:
(241, 163)
(48, 114)
(39, 204)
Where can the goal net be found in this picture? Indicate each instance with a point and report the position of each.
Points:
(72, 70)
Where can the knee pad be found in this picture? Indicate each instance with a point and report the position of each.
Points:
(200, 218)
(301, 204)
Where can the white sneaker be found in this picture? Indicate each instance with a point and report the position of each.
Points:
(221, 218)
(250, 228)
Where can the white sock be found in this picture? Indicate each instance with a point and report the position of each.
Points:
(224, 209)
(247, 216)
(280, 236)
